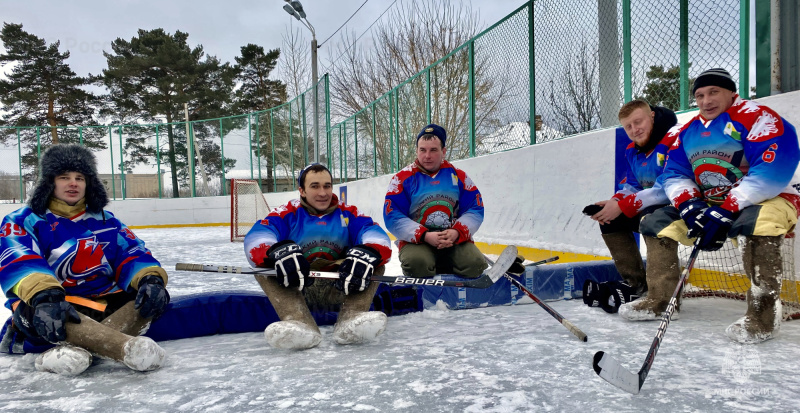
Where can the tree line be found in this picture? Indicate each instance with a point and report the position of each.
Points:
(148, 79)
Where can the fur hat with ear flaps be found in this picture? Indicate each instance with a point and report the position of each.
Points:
(62, 158)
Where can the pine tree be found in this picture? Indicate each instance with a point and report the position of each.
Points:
(257, 92)
(42, 90)
(153, 75)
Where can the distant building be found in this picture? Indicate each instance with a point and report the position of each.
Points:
(134, 185)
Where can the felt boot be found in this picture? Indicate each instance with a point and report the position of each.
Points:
(663, 272)
(627, 259)
(356, 324)
(764, 266)
(64, 359)
(297, 329)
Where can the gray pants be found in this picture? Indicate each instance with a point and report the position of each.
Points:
(425, 261)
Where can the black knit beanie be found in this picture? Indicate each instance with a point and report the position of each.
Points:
(714, 77)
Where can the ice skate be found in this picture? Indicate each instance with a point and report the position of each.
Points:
(292, 335)
(143, 354)
(64, 359)
(361, 328)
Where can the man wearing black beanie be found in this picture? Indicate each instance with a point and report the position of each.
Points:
(733, 171)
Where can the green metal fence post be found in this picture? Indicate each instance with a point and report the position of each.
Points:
(291, 142)
(396, 125)
(531, 76)
(684, 69)
(111, 152)
(122, 166)
(272, 150)
(80, 135)
(471, 57)
(258, 150)
(391, 132)
(763, 50)
(328, 118)
(192, 172)
(158, 163)
(626, 50)
(355, 138)
(344, 148)
(250, 144)
(19, 154)
(222, 153)
(744, 48)
(303, 126)
(374, 146)
(428, 95)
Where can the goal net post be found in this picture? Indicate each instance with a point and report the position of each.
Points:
(721, 274)
(248, 206)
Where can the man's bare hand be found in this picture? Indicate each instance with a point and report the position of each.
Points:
(610, 211)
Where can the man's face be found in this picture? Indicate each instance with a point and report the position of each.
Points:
(318, 189)
(430, 154)
(70, 187)
(638, 125)
(713, 100)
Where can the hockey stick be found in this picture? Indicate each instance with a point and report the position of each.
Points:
(612, 371)
(564, 322)
(443, 280)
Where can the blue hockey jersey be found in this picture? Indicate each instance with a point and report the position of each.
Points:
(326, 236)
(746, 155)
(417, 202)
(90, 254)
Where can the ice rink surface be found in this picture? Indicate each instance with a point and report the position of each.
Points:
(498, 359)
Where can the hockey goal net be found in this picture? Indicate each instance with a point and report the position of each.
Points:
(247, 206)
(721, 274)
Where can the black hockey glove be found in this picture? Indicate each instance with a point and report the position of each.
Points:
(290, 265)
(51, 313)
(152, 298)
(716, 224)
(355, 273)
(616, 293)
(592, 209)
(593, 292)
(691, 213)
(517, 268)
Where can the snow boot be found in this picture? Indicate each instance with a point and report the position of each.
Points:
(764, 266)
(627, 259)
(64, 359)
(297, 329)
(138, 353)
(356, 324)
(127, 320)
(663, 272)
(143, 354)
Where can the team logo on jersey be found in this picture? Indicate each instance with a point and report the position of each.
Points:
(345, 220)
(86, 258)
(731, 131)
(454, 178)
(765, 127)
(53, 226)
(661, 159)
(128, 233)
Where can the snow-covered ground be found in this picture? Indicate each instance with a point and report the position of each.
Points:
(498, 359)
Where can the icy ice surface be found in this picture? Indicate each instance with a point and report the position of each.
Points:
(498, 359)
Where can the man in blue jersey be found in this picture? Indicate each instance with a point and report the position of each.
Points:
(652, 131)
(434, 209)
(732, 171)
(63, 255)
(317, 232)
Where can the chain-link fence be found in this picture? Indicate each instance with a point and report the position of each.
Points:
(550, 69)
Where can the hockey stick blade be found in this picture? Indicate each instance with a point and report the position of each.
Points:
(441, 280)
(612, 371)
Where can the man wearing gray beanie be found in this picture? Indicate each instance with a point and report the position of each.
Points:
(75, 276)
(733, 171)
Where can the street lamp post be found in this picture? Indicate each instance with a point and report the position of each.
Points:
(296, 9)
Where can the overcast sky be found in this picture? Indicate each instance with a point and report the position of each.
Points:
(88, 27)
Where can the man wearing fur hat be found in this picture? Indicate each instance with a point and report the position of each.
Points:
(434, 209)
(731, 172)
(317, 232)
(76, 276)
